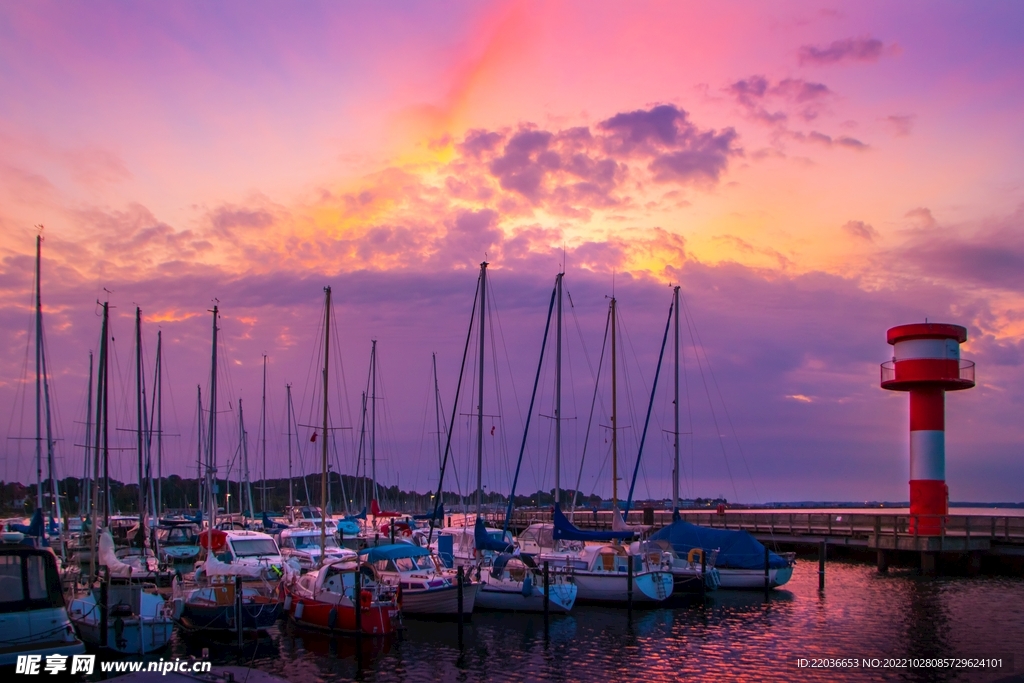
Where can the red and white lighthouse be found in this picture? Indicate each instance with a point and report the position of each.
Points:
(926, 363)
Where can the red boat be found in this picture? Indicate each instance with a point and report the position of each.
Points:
(324, 599)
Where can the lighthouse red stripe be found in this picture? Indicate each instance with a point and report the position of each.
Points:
(927, 409)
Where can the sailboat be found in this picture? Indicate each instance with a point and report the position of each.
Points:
(338, 595)
(121, 615)
(33, 624)
(236, 594)
(602, 567)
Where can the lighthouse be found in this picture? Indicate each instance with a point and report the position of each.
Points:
(926, 363)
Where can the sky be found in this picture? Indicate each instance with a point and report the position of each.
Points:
(809, 174)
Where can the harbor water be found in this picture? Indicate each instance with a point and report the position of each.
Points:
(875, 620)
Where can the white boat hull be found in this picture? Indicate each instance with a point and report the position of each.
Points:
(648, 587)
(133, 634)
(508, 596)
(752, 579)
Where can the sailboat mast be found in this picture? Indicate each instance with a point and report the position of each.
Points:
(39, 374)
(211, 442)
(101, 382)
(244, 497)
(558, 396)
(291, 495)
(373, 416)
(675, 406)
(480, 405)
(615, 427)
(199, 447)
(437, 409)
(88, 483)
(140, 425)
(323, 462)
(159, 425)
(263, 422)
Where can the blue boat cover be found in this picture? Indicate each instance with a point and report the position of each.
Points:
(34, 529)
(484, 541)
(436, 514)
(736, 549)
(361, 515)
(392, 551)
(349, 526)
(566, 531)
(270, 524)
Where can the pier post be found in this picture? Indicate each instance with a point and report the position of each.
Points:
(461, 579)
(547, 593)
(357, 601)
(104, 606)
(821, 565)
(928, 563)
(883, 561)
(703, 575)
(767, 583)
(238, 609)
(629, 587)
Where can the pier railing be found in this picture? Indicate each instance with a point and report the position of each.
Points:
(852, 528)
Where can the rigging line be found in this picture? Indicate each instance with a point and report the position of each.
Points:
(593, 403)
(650, 407)
(728, 417)
(707, 392)
(455, 411)
(529, 412)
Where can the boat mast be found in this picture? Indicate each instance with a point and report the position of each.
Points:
(88, 482)
(39, 375)
(101, 423)
(675, 405)
(140, 425)
(323, 462)
(615, 427)
(437, 409)
(246, 495)
(263, 424)
(361, 454)
(373, 416)
(159, 425)
(211, 442)
(480, 405)
(199, 448)
(558, 395)
(291, 496)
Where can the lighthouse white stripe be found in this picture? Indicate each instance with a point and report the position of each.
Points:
(928, 454)
(909, 349)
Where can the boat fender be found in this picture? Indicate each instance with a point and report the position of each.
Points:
(332, 618)
(298, 610)
(695, 556)
(365, 598)
(287, 602)
(527, 586)
(119, 639)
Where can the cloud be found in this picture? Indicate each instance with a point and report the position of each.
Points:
(900, 124)
(774, 104)
(828, 141)
(849, 49)
(861, 230)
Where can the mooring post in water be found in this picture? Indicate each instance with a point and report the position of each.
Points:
(703, 575)
(238, 609)
(357, 601)
(821, 566)
(767, 583)
(629, 587)
(391, 530)
(547, 593)
(462, 578)
(104, 606)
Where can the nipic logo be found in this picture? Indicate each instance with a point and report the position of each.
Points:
(32, 665)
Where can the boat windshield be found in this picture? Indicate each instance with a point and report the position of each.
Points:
(252, 547)
(409, 564)
(312, 542)
(40, 581)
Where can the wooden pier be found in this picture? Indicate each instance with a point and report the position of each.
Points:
(973, 535)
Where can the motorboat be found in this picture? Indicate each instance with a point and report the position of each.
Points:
(342, 596)
(244, 548)
(301, 547)
(178, 541)
(221, 596)
(427, 587)
(692, 572)
(33, 615)
(135, 620)
(515, 583)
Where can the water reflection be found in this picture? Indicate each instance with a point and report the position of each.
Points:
(730, 635)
